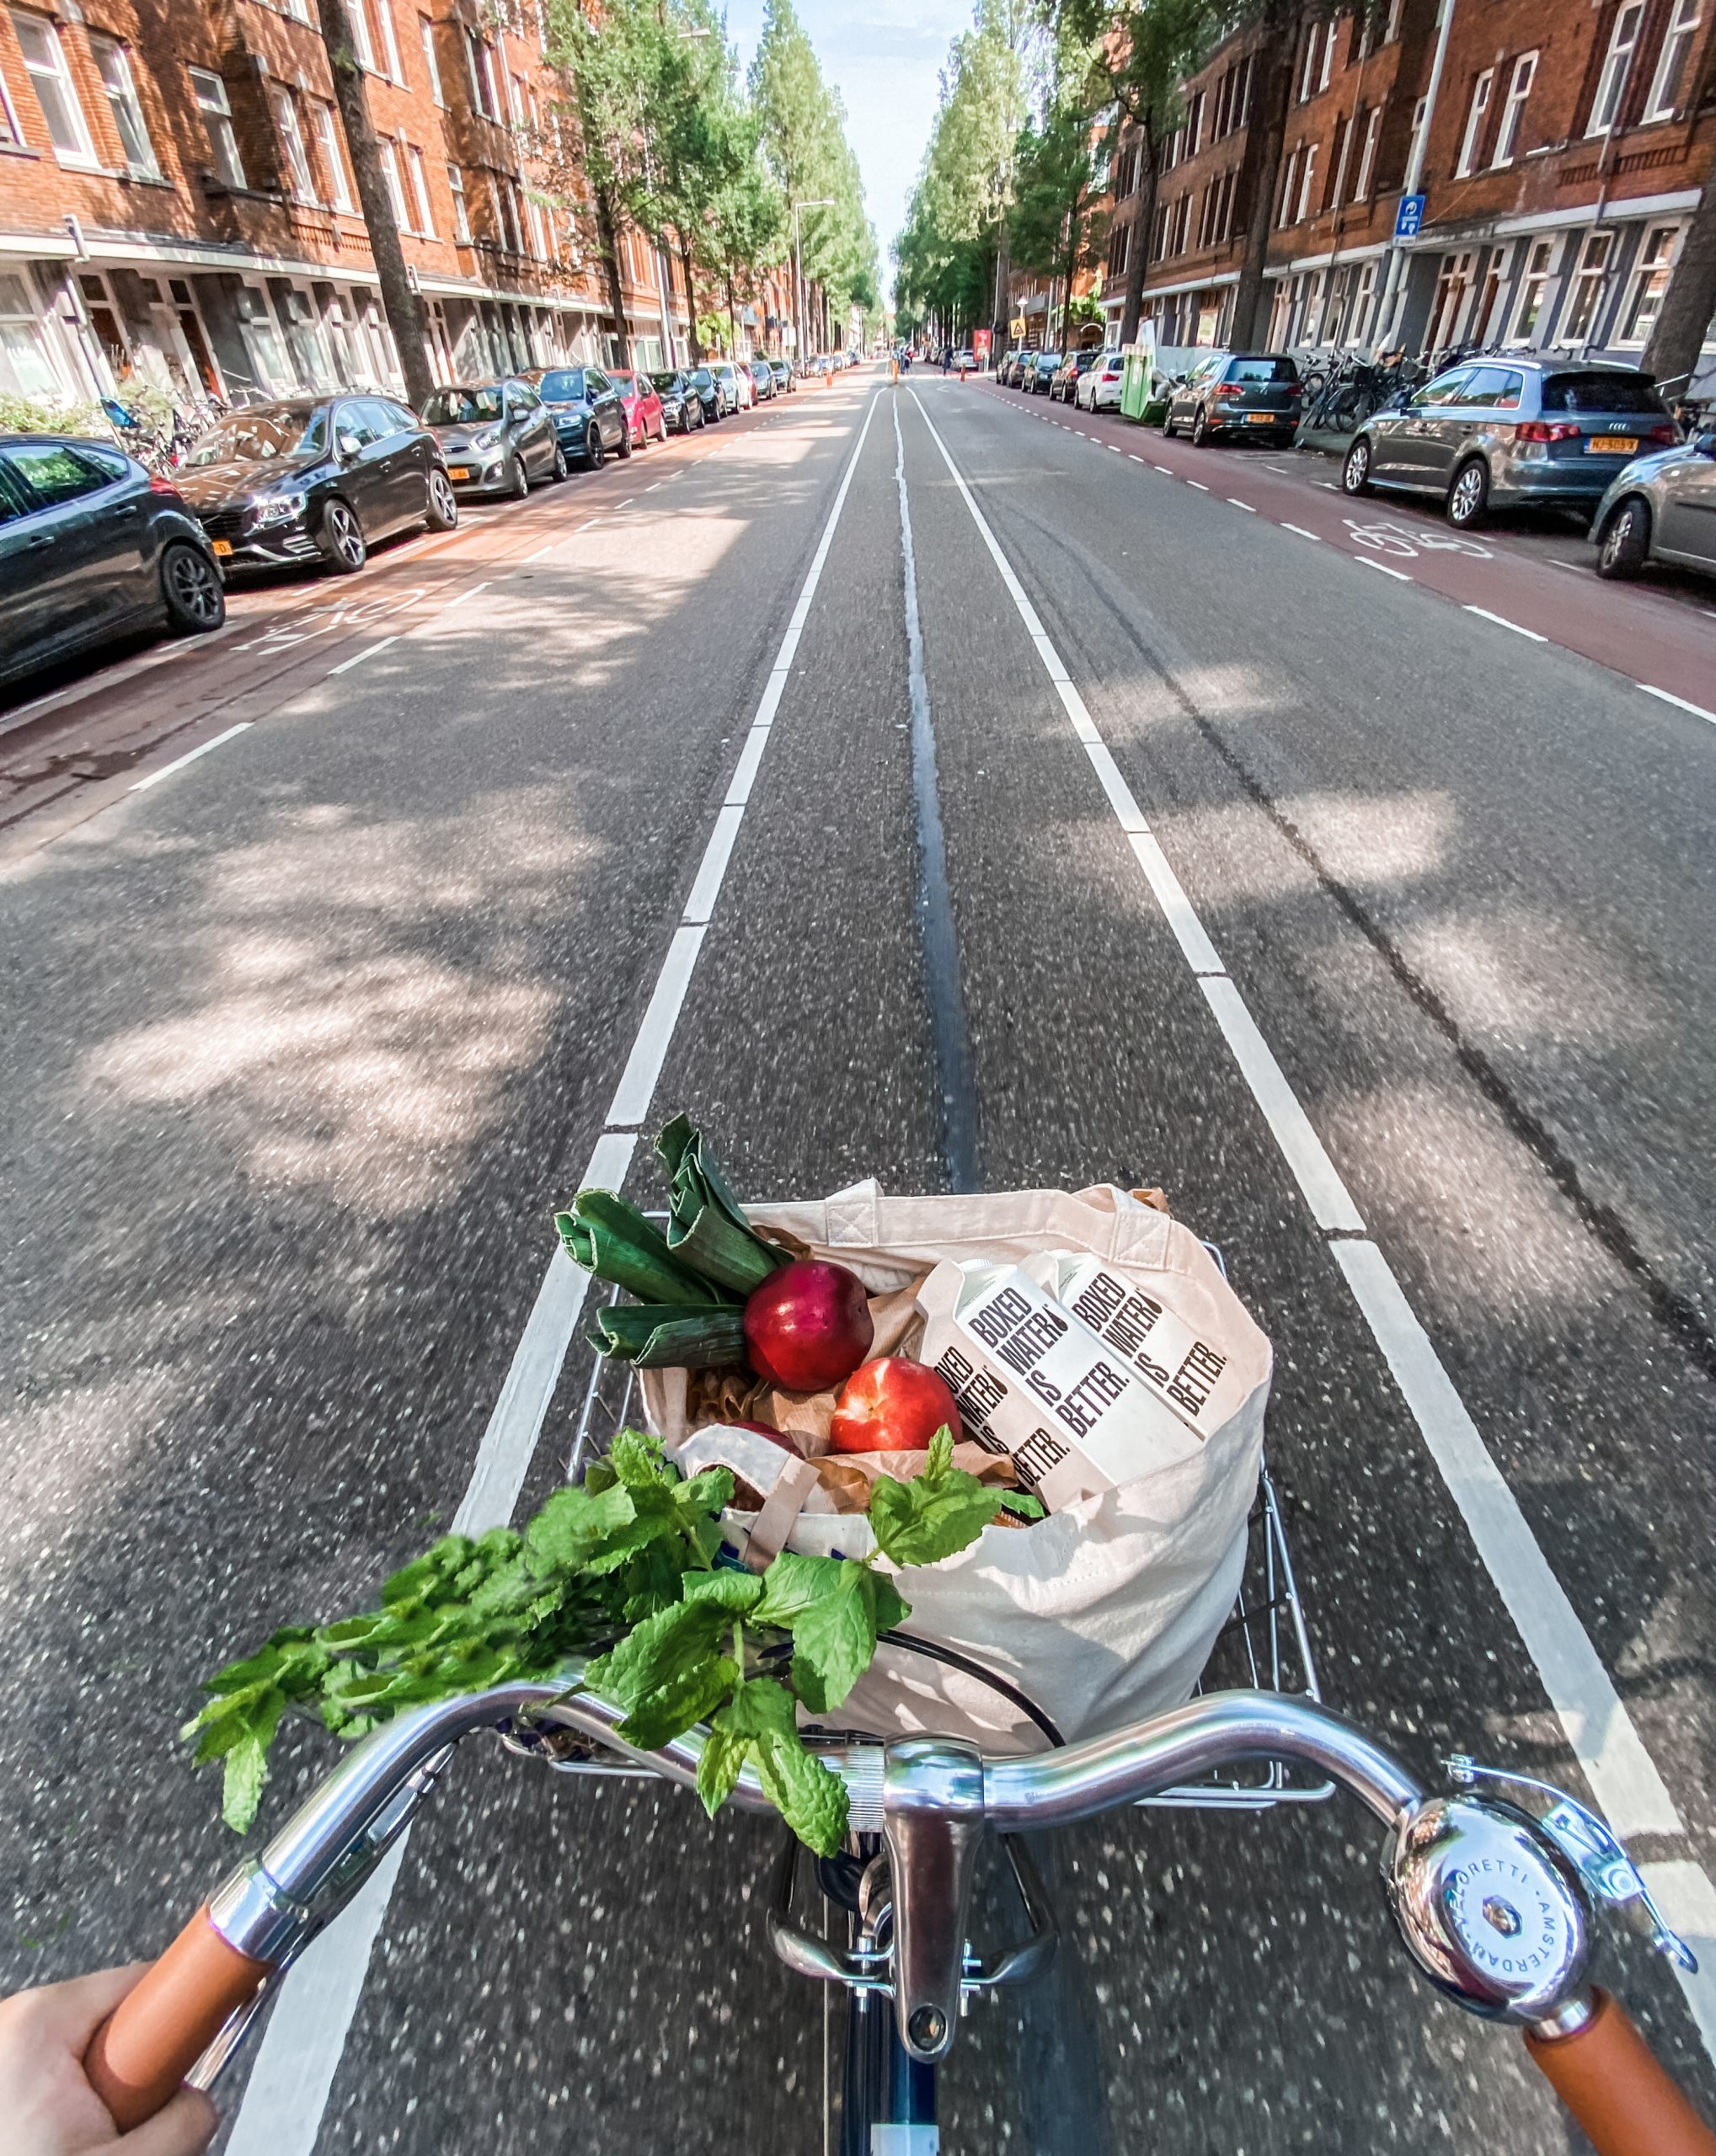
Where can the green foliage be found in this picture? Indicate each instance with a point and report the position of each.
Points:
(802, 124)
(30, 415)
(936, 1513)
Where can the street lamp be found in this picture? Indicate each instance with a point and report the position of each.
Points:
(822, 202)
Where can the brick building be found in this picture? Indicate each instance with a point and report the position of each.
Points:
(177, 203)
(1560, 151)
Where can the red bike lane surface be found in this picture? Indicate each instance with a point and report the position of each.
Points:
(1659, 645)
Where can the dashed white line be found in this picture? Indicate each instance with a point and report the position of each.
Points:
(1502, 622)
(541, 551)
(1166, 470)
(1133, 457)
(1234, 502)
(1382, 569)
(1680, 703)
(369, 651)
(1303, 533)
(1199, 484)
(190, 755)
(1328, 485)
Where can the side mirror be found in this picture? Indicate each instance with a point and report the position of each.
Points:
(348, 445)
(1704, 446)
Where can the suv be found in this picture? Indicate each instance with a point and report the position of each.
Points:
(1501, 432)
(1250, 393)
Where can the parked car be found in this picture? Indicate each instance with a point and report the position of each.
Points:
(307, 478)
(1063, 383)
(708, 391)
(966, 360)
(645, 414)
(737, 394)
(93, 545)
(1495, 434)
(496, 436)
(1255, 394)
(761, 379)
(682, 407)
(783, 375)
(1660, 508)
(1038, 372)
(1099, 388)
(589, 417)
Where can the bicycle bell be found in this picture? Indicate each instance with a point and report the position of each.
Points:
(1489, 1910)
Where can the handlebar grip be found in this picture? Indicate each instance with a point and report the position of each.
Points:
(141, 2054)
(1617, 2090)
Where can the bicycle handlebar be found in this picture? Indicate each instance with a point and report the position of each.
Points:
(930, 1799)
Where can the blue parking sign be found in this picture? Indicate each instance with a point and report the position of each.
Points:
(1408, 216)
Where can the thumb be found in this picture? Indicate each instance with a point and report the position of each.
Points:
(183, 2127)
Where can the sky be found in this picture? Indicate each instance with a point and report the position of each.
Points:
(884, 57)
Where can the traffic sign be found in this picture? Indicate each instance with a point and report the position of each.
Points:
(1408, 216)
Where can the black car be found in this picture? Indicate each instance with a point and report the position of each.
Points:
(496, 436)
(682, 407)
(761, 379)
(313, 479)
(708, 391)
(589, 416)
(91, 545)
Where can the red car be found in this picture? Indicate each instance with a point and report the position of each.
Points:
(642, 407)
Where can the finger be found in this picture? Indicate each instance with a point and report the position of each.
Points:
(183, 2127)
(69, 2013)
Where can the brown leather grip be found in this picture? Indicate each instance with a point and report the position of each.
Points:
(142, 2051)
(1611, 2081)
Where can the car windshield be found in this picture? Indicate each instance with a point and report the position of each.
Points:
(702, 376)
(665, 380)
(463, 408)
(264, 437)
(1613, 391)
(563, 387)
(1263, 370)
(627, 384)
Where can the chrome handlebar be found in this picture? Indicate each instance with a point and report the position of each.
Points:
(1493, 1894)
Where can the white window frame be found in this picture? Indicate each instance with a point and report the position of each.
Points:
(1670, 64)
(299, 10)
(1513, 109)
(1327, 74)
(431, 64)
(1367, 155)
(1476, 113)
(514, 97)
(333, 156)
(1590, 276)
(121, 89)
(23, 339)
(10, 131)
(209, 93)
(419, 190)
(57, 70)
(1289, 185)
(1539, 270)
(289, 126)
(390, 39)
(1623, 43)
(1649, 269)
(362, 42)
(1307, 174)
(389, 156)
(461, 208)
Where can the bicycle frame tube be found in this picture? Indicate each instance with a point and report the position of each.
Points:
(883, 2085)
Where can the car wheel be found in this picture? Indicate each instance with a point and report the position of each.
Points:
(1355, 472)
(625, 441)
(1201, 428)
(1625, 546)
(1167, 429)
(559, 467)
(341, 538)
(520, 478)
(1469, 495)
(191, 590)
(661, 427)
(595, 449)
(441, 510)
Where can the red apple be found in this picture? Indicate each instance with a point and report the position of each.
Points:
(892, 1405)
(808, 1325)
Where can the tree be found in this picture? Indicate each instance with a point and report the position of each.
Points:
(399, 301)
(1689, 304)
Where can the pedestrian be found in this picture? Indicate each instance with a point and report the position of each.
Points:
(45, 2098)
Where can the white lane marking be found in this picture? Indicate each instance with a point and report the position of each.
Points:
(636, 1086)
(650, 489)
(460, 598)
(628, 500)
(1688, 1900)
(1622, 1776)
(1679, 703)
(111, 676)
(1327, 486)
(1502, 622)
(190, 755)
(1199, 484)
(1115, 447)
(1133, 457)
(1382, 569)
(1234, 502)
(302, 2046)
(1166, 470)
(1302, 533)
(540, 551)
(369, 651)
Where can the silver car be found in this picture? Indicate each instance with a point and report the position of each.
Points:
(1660, 509)
(496, 436)
(1502, 433)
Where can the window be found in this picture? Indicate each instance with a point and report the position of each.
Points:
(1617, 64)
(1496, 389)
(55, 473)
(211, 94)
(114, 65)
(480, 56)
(1486, 321)
(461, 215)
(1117, 242)
(44, 61)
(515, 99)
(1513, 111)
(294, 158)
(1474, 123)
(1319, 59)
(390, 43)
(1649, 283)
(333, 158)
(1396, 9)
(1586, 295)
(419, 191)
(1305, 175)
(1534, 288)
(1367, 156)
(1289, 187)
(25, 369)
(1195, 125)
(1669, 81)
(363, 44)
(425, 31)
(396, 193)
(1420, 113)
(535, 226)
(9, 131)
(1453, 283)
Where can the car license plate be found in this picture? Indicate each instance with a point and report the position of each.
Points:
(222, 546)
(1260, 418)
(1611, 444)
(459, 472)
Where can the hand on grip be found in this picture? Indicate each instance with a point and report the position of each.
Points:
(46, 2101)
(143, 2050)
(1623, 2097)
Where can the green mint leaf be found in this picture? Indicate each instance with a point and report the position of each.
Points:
(939, 1512)
(719, 1765)
(833, 1641)
(760, 1723)
(247, 1766)
(792, 1582)
(666, 1675)
(737, 1593)
(573, 1526)
(1022, 1505)
(940, 1458)
(637, 1459)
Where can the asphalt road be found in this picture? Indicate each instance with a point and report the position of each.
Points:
(304, 1041)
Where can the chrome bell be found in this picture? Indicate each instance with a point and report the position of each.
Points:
(1489, 1910)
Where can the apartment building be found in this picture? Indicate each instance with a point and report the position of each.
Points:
(1560, 156)
(177, 206)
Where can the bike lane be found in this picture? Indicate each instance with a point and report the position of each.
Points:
(1663, 649)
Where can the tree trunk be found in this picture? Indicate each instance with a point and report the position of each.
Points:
(607, 230)
(399, 301)
(732, 319)
(1143, 227)
(1276, 56)
(1071, 263)
(1689, 301)
(1001, 327)
(691, 302)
